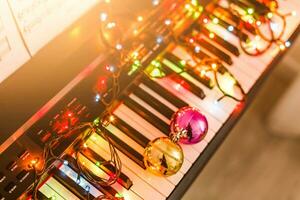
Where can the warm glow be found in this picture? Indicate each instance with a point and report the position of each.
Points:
(111, 118)
(227, 83)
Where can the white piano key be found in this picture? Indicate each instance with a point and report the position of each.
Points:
(150, 132)
(189, 98)
(135, 121)
(210, 135)
(247, 80)
(137, 190)
(82, 182)
(207, 103)
(60, 189)
(122, 136)
(247, 66)
(186, 164)
(49, 192)
(158, 97)
(127, 194)
(200, 146)
(226, 104)
(292, 21)
(156, 186)
(189, 153)
(296, 4)
(149, 108)
(230, 37)
(237, 63)
(212, 95)
(144, 127)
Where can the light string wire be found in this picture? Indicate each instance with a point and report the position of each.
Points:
(272, 40)
(49, 157)
(207, 64)
(114, 160)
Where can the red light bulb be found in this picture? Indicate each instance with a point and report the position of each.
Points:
(101, 85)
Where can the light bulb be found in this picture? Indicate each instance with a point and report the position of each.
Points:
(288, 44)
(119, 46)
(230, 28)
(103, 16)
(159, 39)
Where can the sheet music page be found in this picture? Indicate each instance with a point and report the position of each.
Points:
(40, 21)
(13, 53)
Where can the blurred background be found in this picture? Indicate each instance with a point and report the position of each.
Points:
(260, 159)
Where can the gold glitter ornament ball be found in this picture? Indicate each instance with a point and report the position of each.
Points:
(163, 157)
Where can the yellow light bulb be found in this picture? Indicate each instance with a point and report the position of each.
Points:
(258, 23)
(270, 15)
(202, 73)
(211, 35)
(187, 6)
(140, 18)
(111, 118)
(214, 66)
(251, 21)
(227, 83)
(250, 11)
(215, 20)
(135, 32)
(282, 47)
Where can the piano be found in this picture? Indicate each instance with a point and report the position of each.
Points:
(58, 90)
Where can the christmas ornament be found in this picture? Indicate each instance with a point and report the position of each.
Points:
(188, 125)
(163, 157)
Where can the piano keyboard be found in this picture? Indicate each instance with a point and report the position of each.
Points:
(145, 113)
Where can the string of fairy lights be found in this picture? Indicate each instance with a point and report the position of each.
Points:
(205, 68)
(48, 157)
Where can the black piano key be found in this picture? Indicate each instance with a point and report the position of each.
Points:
(258, 6)
(238, 33)
(214, 50)
(131, 132)
(241, 4)
(204, 80)
(245, 5)
(191, 47)
(147, 115)
(153, 102)
(108, 168)
(163, 92)
(126, 149)
(220, 11)
(106, 190)
(227, 45)
(41, 196)
(228, 16)
(201, 55)
(192, 87)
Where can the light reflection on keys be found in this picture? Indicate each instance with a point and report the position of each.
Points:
(82, 182)
(53, 189)
(140, 177)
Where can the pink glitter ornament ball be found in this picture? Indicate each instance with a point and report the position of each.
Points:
(188, 125)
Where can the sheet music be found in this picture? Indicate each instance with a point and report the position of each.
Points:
(40, 21)
(13, 53)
